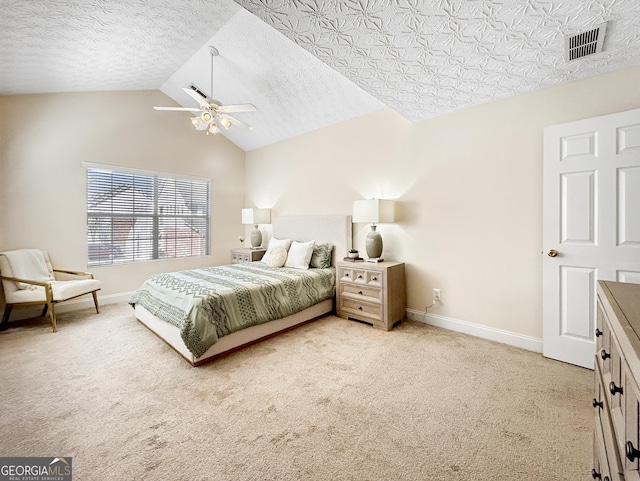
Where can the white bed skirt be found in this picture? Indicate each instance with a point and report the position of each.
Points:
(234, 341)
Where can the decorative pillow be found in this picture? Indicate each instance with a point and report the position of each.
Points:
(273, 242)
(300, 254)
(321, 257)
(275, 257)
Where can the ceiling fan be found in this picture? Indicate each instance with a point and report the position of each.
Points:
(211, 113)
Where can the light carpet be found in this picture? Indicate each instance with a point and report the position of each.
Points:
(332, 400)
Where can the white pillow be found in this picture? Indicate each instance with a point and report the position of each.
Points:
(275, 257)
(273, 242)
(300, 254)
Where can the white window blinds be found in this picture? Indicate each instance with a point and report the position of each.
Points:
(142, 216)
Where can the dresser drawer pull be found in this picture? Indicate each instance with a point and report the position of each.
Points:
(604, 355)
(595, 474)
(631, 452)
(613, 389)
(359, 308)
(360, 277)
(374, 278)
(360, 292)
(598, 332)
(597, 404)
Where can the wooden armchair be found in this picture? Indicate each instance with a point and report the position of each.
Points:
(28, 278)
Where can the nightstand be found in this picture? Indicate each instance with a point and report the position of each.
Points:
(247, 255)
(374, 293)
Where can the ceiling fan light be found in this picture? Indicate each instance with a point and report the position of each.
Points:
(213, 128)
(225, 123)
(195, 121)
(206, 116)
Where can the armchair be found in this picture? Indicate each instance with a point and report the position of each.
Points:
(28, 278)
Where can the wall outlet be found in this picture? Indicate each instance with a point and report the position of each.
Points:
(436, 295)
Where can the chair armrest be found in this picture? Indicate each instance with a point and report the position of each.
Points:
(25, 281)
(75, 273)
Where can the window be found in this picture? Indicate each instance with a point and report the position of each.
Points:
(142, 216)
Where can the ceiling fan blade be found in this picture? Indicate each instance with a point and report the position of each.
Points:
(235, 122)
(237, 108)
(179, 109)
(197, 97)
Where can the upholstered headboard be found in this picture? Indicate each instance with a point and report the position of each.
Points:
(334, 229)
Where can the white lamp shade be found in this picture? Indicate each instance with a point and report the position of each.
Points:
(256, 216)
(374, 211)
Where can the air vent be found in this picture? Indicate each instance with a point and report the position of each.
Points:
(584, 43)
(194, 87)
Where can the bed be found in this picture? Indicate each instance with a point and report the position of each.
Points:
(179, 319)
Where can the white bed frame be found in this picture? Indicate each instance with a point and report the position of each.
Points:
(334, 229)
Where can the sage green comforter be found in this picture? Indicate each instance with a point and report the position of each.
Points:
(206, 304)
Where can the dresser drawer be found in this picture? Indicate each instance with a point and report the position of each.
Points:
(360, 292)
(611, 445)
(360, 276)
(631, 432)
(362, 310)
(237, 258)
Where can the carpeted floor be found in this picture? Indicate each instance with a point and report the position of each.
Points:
(332, 400)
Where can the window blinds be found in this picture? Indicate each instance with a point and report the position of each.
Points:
(138, 217)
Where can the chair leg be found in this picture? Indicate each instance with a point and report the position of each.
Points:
(52, 318)
(95, 301)
(5, 318)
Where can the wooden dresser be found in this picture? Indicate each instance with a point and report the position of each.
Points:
(374, 293)
(616, 453)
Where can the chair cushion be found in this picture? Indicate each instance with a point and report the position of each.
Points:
(62, 290)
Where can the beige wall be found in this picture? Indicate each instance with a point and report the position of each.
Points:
(44, 139)
(469, 187)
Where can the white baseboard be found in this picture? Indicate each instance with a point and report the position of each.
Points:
(84, 302)
(498, 335)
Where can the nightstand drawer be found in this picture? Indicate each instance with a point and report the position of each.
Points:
(360, 276)
(358, 292)
(239, 256)
(363, 310)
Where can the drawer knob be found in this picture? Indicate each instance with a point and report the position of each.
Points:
(359, 308)
(597, 404)
(598, 332)
(613, 389)
(374, 278)
(360, 292)
(631, 452)
(595, 474)
(359, 277)
(604, 355)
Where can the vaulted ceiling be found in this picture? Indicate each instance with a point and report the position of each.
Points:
(307, 64)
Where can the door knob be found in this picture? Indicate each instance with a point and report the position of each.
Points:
(552, 253)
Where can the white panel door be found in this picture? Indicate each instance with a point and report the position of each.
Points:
(591, 225)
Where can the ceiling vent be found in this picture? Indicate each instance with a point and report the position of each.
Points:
(584, 43)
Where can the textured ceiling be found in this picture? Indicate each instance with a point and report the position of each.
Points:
(306, 64)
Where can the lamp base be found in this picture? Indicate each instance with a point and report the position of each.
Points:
(373, 243)
(375, 259)
(256, 237)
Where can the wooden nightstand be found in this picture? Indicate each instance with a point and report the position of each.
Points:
(247, 255)
(371, 293)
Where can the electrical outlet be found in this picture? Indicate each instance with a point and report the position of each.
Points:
(436, 295)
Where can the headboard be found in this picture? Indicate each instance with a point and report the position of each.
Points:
(334, 229)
